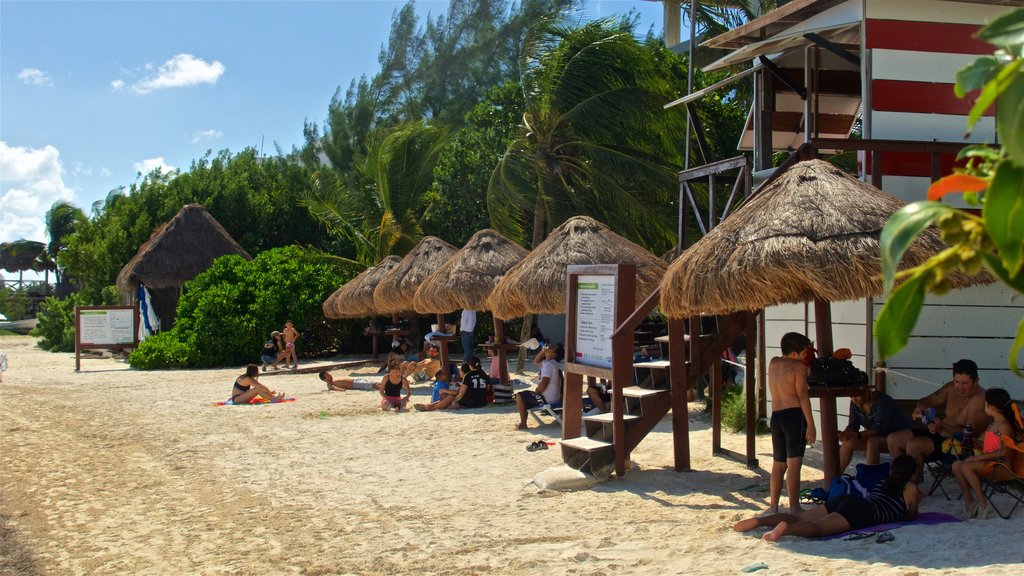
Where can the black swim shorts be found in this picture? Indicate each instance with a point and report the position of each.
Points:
(789, 434)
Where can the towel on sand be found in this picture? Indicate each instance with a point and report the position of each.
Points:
(257, 401)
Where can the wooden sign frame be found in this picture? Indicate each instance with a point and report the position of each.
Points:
(106, 343)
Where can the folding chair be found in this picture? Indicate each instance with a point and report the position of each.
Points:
(940, 471)
(1010, 473)
(554, 410)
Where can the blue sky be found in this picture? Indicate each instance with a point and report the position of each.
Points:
(93, 93)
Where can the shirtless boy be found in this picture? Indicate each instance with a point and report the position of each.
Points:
(792, 424)
(290, 336)
(342, 384)
(963, 401)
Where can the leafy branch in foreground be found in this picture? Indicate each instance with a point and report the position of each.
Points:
(992, 179)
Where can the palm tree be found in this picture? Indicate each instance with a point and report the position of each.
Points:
(381, 213)
(61, 220)
(594, 138)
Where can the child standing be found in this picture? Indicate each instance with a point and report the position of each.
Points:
(290, 336)
(268, 354)
(792, 423)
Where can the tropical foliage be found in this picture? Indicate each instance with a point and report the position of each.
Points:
(993, 180)
(227, 312)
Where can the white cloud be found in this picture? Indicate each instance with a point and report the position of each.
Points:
(117, 85)
(182, 70)
(206, 135)
(150, 164)
(31, 180)
(104, 172)
(82, 170)
(35, 77)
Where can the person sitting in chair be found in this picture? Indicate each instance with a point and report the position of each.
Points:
(423, 369)
(549, 388)
(883, 422)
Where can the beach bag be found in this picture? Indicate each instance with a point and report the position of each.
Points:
(846, 485)
(502, 393)
(833, 372)
(869, 475)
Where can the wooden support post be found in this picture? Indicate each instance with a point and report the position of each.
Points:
(442, 344)
(827, 403)
(751, 400)
(678, 376)
(500, 352)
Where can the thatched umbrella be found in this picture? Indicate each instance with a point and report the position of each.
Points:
(470, 275)
(537, 284)
(467, 279)
(175, 253)
(354, 299)
(397, 289)
(811, 234)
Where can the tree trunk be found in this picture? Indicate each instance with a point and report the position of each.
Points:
(528, 320)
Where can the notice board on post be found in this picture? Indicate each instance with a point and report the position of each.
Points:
(105, 327)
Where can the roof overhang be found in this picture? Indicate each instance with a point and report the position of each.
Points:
(772, 23)
(843, 34)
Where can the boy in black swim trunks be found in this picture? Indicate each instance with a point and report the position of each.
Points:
(792, 424)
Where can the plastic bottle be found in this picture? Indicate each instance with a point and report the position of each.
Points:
(968, 441)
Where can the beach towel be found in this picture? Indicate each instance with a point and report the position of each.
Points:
(257, 401)
(925, 518)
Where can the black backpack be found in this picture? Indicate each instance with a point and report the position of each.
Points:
(832, 372)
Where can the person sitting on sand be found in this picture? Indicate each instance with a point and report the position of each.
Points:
(342, 384)
(423, 369)
(549, 388)
(391, 389)
(269, 352)
(895, 499)
(447, 395)
(246, 388)
(1007, 425)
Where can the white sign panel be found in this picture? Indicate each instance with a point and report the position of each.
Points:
(595, 320)
(116, 326)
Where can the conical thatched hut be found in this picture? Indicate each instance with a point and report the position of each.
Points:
(467, 279)
(811, 234)
(397, 289)
(537, 284)
(354, 299)
(176, 253)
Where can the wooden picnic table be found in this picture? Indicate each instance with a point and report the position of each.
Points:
(395, 333)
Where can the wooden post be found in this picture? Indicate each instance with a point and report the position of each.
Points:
(751, 400)
(500, 351)
(827, 403)
(678, 376)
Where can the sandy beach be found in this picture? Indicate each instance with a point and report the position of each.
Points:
(116, 471)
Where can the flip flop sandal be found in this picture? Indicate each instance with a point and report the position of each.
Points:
(534, 446)
(885, 537)
(860, 536)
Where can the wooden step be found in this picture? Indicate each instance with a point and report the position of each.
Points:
(607, 418)
(585, 444)
(654, 364)
(638, 392)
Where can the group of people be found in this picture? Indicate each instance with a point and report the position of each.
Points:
(877, 424)
(280, 347)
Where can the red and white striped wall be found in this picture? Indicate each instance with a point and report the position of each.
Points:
(916, 47)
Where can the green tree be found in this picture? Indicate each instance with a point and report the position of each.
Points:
(61, 220)
(594, 138)
(381, 214)
(994, 178)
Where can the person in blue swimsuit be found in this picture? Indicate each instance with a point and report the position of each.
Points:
(895, 499)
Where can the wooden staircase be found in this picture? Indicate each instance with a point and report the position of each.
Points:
(644, 407)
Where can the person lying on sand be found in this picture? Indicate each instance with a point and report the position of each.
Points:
(246, 388)
(895, 499)
(342, 384)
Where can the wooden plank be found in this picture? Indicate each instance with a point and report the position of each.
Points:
(967, 12)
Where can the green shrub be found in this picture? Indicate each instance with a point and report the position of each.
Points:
(227, 312)
(56, 328)
(734, 410)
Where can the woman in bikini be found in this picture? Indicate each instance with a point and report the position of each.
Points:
(1006, 426)
(391, 389)
(246, 388)
(895, 499)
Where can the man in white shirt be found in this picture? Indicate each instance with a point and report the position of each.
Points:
(466, 327)
(549, 389)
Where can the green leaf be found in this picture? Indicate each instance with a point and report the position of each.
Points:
(974, 75)
(988, 95)
(901, 230)
(898, 316)
(1010, 119)
(998, 267)
(1015, 348)
(1006, 30)
(1004, 214)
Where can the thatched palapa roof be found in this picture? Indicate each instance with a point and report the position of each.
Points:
(470, 275)
(537, 284)
(397, 289)
(354, 299)
(178, 251)
(812, 233)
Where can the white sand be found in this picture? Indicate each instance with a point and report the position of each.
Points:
(117, 471)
